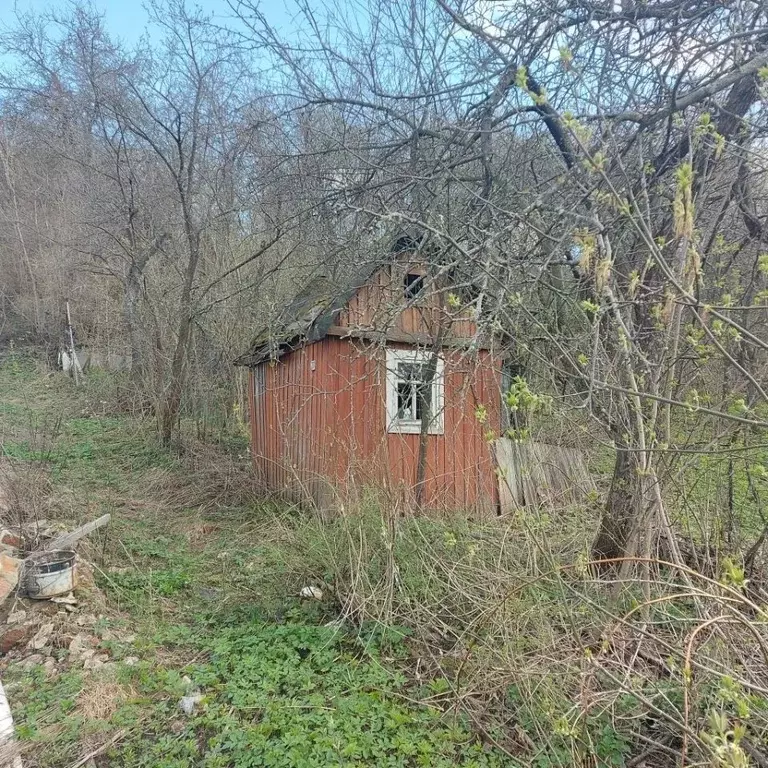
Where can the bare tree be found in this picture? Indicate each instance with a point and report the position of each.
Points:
(592, 175)
(164, 137)
(596, 162)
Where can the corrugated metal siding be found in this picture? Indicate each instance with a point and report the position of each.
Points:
(321, 423)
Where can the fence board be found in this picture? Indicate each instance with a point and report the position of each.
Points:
(532, 473)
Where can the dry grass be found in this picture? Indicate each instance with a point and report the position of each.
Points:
(536, 651)
(102, 696)
(25, 488)
(210, 479)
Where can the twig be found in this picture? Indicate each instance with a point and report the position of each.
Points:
(758, 757)
(99, 750)
(635, 761)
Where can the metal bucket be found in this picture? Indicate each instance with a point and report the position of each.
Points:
(48, 574)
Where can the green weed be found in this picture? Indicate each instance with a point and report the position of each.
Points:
(422, 620)
(300, 696)
(44, 712)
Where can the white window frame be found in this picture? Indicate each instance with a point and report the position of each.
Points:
(413, 426)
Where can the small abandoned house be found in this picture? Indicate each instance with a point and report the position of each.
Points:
(380, 382)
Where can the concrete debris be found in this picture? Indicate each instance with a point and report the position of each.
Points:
(43, 636)
(9, 575)
(116, 636)
(13, 637)
(79, 643)
(10, 539)
(312, 593)
(36, 635)
(65, 600)
(96, 661)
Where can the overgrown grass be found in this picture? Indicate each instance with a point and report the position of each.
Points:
(196, 568)
(552, 665)
(437, 642)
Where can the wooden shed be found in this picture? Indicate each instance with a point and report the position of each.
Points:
(382, 382)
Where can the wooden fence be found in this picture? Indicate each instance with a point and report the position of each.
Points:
(532, 473)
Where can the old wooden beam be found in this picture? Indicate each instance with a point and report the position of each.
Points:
(66, 540)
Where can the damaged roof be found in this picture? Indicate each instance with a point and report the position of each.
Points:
(309, 316)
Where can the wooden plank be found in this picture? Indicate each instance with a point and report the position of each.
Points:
(66, 540)
(400, 336)
(534, 473)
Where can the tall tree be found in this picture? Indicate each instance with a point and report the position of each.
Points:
(597, 162)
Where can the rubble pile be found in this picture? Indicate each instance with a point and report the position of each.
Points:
(61, 630)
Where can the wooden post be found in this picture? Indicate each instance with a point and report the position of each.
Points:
(75, 362)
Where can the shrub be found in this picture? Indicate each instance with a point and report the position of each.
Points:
(539, 655)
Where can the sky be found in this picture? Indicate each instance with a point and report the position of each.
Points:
(126, 18)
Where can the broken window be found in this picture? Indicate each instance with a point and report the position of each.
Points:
(413, 285)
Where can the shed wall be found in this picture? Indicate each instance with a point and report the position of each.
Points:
(380, 304)
(319, 424)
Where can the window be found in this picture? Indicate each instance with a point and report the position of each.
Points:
(410, 397)
(412, 391)
(413, 285)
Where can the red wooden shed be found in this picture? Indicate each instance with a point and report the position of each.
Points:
(361, 385)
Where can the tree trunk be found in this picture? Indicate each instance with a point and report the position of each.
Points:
(618, 515)
(169, 409)
(131, 299)
(426, 421)
(428, 415)
(25, 257)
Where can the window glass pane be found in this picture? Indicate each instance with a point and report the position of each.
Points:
(411, 371)
(405, 408)
(413, 285)
(413, 392)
